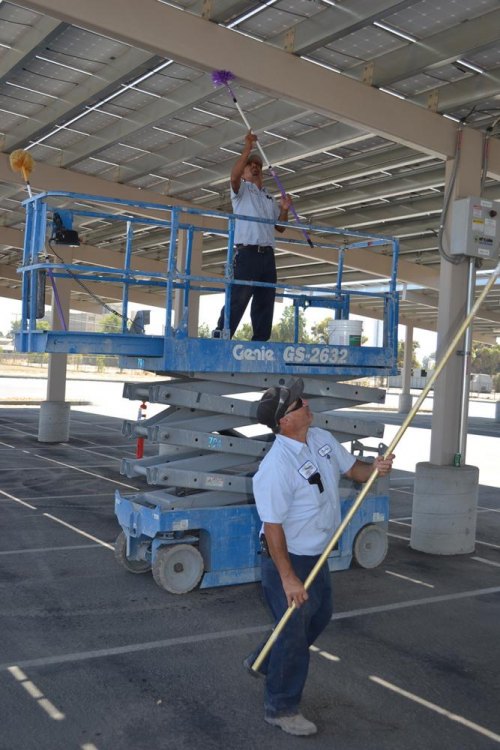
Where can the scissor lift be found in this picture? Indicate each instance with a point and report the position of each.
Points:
(201, 524)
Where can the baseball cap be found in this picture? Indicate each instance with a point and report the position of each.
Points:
(276, 400)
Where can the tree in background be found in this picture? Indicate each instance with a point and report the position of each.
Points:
(401, 350)
(284, 329)
(486, 359)
(244, 332)
(204, 331)
(319, 331)
(110, 323)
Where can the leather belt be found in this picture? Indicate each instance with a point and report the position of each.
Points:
(258, 248)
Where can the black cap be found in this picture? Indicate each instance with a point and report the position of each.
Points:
(275, 401)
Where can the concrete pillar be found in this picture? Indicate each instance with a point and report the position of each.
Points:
(444, 509)
(445, 496)
(497, 411)
(53, 423)
(405, 399)
(196, 270)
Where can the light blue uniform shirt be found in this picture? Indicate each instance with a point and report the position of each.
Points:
(283, 495)
(250, 201)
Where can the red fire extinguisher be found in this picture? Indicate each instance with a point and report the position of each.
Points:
(139, 451)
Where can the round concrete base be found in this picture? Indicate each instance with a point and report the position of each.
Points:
(444, 509)
(405, 403)
(53, 424)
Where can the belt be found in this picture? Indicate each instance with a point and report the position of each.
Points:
(258, 248)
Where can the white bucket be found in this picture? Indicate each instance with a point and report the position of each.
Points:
(345, 332)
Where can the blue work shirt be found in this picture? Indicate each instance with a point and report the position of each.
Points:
(258, 203)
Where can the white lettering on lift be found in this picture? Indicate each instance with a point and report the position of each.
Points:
(263, 354)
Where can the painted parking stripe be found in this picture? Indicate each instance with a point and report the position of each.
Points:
(487, 562)
(488, 510)
(488, 544)
(83, 471)
(37, 550)
(79, 531)
(437, 709)
(36, 693)
(235, 633)
(325, 654)
(411, 580)
(17, 500)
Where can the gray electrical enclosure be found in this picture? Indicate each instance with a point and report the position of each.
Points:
(475, 228)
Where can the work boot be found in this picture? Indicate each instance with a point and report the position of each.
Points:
(296, 724)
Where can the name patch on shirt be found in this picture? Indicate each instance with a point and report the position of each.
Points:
(307, 469)
(325, 451)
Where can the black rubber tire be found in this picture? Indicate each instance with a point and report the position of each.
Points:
(178, 568)
(133, 566)
(370, 546)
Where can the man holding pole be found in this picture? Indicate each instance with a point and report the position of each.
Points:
(297, 494)
(254, 244)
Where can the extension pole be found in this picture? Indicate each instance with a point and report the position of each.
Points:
(338, 533)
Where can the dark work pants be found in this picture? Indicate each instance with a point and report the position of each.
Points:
(288, 662)
(252, 265)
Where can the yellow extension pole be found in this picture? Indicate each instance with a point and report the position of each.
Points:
(338, 533)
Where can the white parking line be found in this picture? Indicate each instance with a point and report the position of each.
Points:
(438, 709)
(237, 632)
(399, 522)
(324, 654)
(488, 510)
(412, 580)
(83, 471)
(37, 550)
(396, 536)
(403, 518)
(488, 544)
(36, 693)
(79, 531)
(487, 562)
(17, 500)
(89, 746)
(7, 445)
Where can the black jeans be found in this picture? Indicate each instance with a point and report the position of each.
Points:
(250, 264)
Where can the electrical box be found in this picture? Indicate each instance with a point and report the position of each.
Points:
(475, 228)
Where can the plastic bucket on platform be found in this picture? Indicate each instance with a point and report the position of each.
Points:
(345, 332)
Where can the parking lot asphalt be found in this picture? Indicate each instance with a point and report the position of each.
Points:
(95, 658)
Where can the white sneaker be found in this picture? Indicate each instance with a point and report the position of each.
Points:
(296, 724)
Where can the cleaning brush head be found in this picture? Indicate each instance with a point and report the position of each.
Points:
(222, 77)
(21, 161)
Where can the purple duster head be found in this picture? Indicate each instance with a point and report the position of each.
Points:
(222, 77)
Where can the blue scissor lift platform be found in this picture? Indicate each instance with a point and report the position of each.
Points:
(201, 526)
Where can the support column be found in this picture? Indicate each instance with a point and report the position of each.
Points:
(53, 424)
(445, 496)
(405, 399)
